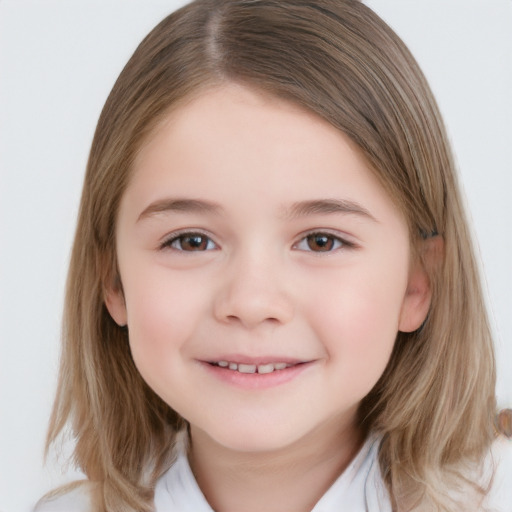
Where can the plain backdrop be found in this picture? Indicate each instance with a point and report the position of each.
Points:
(58, 61)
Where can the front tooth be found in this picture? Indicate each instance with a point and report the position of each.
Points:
(266, 368)
(223, 364)
(233, 366)
(246, 368)
(280, 366)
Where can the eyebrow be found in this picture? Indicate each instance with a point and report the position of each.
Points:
(179, 205)
(296, 210)
(327, 207)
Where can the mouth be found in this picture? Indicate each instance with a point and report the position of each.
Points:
(256, 374)
(253, 368)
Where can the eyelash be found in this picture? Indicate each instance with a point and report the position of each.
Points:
(176, 237)
(337, 241)
(341, 242)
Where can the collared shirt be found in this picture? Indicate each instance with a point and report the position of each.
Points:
(359, 488)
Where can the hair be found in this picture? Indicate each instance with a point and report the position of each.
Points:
(434, 405)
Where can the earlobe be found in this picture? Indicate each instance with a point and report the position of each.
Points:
(418, 295)
(114, 301)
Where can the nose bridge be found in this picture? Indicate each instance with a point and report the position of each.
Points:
(253, 289)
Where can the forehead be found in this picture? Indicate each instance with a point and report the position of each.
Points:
(232, 120)
(235, 105)
(231, 140)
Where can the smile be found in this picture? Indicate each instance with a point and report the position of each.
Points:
(256, 374)
(252, 368)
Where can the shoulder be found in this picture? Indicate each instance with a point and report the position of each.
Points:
(499, 498)
(75, 500)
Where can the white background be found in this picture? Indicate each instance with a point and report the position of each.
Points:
(58, 61)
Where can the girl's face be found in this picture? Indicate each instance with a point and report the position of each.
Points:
(254, 236)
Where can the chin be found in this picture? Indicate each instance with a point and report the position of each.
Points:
(255, 437)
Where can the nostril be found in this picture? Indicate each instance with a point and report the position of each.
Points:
(254, 306)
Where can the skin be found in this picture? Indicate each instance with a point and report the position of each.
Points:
(258, 287)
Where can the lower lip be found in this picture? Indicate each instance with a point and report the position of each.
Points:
(256, 380)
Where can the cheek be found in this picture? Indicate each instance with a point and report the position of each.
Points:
(162, 314)
(357, 321)
(361, 326)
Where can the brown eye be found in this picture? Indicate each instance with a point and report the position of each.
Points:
(320, 242)
(191, 242)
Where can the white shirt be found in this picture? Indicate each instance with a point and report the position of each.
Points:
(359, 488)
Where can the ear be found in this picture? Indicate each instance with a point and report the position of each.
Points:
(114, 301)
(418, 295)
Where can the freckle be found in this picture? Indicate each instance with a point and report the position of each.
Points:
(504, 422)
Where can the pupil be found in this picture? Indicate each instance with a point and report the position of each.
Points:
(320, 242)
(194, 242)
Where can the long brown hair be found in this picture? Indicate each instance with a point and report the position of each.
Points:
(434, 405)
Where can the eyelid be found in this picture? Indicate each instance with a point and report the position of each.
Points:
(344, 239)
(167, 240)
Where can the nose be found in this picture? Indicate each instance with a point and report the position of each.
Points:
(252, 293)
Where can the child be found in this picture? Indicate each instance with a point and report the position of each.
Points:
(273, 303)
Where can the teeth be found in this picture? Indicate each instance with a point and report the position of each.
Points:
(252, 368)
(247, 368)
(266, 368)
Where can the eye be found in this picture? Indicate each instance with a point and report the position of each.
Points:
(321, 242)
(190, 242)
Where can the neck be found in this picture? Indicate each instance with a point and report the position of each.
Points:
(292, 478)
